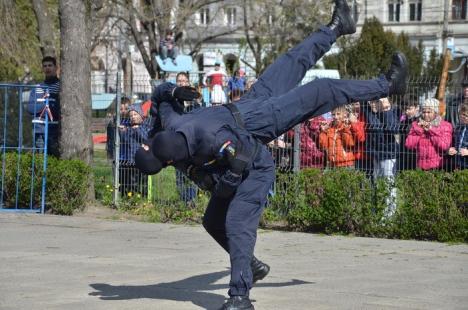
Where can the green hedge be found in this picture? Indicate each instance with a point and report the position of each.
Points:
(67, 182)
(430, 205)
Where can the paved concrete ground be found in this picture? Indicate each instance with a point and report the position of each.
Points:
(52, 262)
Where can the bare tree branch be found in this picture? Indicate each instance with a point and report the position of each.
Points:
(44, 23)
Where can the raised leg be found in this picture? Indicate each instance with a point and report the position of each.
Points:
(279, 114)
(289, 69)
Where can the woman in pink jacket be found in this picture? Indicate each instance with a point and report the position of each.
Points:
(430, 136)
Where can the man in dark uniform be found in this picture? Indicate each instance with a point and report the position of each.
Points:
(223, 148)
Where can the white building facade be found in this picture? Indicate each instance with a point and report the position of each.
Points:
(421, 20)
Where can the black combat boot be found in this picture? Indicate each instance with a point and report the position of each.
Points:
(397, 75)
(238, 303)
(342, 21)
(259, 269)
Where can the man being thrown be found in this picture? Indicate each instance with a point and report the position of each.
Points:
(222, 148)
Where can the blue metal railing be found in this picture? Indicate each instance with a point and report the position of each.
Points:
(19, 142)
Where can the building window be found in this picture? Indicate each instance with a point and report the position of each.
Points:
(394, 11)
(230, 16)
(204, 16)
(459, 9)
(415, 9)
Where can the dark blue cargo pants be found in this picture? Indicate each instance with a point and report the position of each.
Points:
(274, 105)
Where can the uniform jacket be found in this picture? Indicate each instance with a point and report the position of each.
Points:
(206, 131)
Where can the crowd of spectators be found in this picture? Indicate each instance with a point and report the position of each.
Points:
(379, 138)
(382, 138)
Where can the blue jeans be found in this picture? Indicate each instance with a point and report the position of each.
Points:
(386, 168)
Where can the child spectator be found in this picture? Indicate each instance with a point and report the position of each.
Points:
(430, 136)
(311, 155)
(406, 157)
(111, 124)
(236, 86)
(460, 144)
(339, 138)
(131, 137)
(167, 48)
(382, 146)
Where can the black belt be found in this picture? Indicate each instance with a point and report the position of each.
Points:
(236, 114)
(240, 122)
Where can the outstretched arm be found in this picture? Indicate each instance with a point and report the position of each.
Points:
(169, 92)
(163, 93)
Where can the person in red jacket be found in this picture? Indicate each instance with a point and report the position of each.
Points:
(340, 138)
(430, 136)
(311, 155)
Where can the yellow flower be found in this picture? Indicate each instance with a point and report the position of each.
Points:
(107, 186)
(139, 196)
(129, 194)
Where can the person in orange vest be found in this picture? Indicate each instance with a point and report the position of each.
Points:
(339, 138)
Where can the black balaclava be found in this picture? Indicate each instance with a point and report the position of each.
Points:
(170, 146)
(146, 162)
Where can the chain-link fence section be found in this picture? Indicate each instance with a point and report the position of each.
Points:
(380, 138)
(28, 135)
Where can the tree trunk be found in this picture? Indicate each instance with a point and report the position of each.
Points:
(75, 93)
(127, 74)
(44, 23)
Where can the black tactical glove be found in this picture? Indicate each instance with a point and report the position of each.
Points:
(238, 159)
(185, 93)
(200, 177)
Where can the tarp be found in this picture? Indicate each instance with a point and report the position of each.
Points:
(313, 74)
(101, 101)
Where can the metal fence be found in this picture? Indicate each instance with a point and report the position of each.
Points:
(23, 163)
(373, 137)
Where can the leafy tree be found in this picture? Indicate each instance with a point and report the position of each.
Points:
(19, 52)
(271, 27)
(414, 54)
(434, 64)
(46, 15)
(146, 21)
